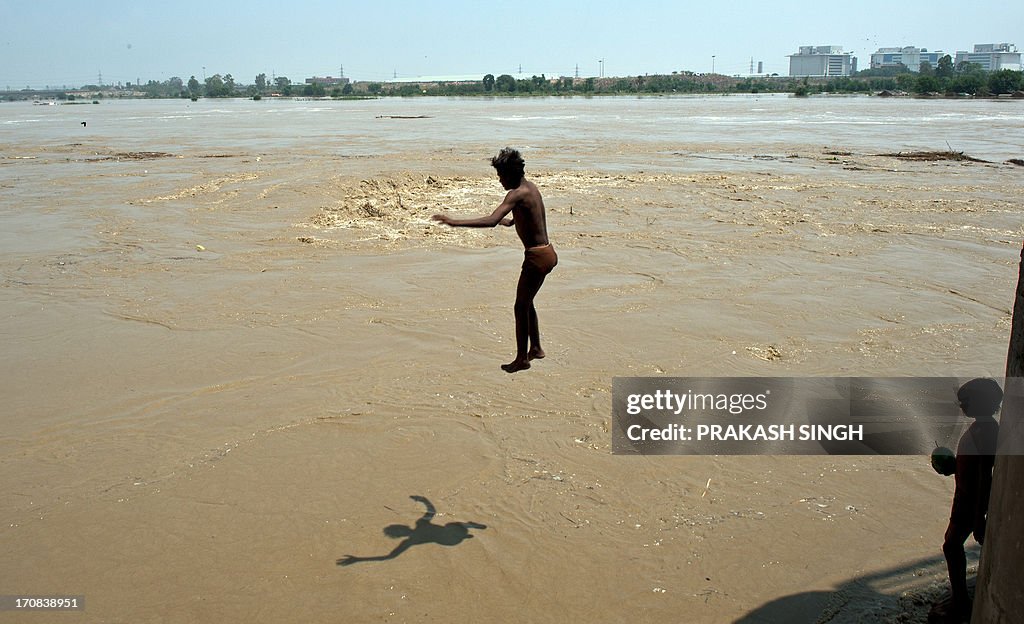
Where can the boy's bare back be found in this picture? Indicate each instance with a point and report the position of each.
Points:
(528, 214)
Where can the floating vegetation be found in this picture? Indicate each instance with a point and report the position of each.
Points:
(935, 156)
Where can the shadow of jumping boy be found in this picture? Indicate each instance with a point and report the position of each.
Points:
(424, 531)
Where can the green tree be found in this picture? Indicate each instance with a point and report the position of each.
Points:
(945, 68)
(905, 82)
(313, 90)
(153, 89)
(973, 83)
(193, 87)
(505, 83)
(1004, 81)
(284, 86)
(215, 86)
(489, 83)
(927, 84)
(261, 83)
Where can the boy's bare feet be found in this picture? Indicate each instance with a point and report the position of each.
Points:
(515, 366)
(536, 353)
(948, 611)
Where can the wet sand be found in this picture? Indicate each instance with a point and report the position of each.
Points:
(224, 372)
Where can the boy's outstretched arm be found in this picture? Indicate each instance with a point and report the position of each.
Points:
(429, 513)
(495, 218)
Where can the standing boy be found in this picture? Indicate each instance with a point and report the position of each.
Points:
(975, 455)
(523, 200)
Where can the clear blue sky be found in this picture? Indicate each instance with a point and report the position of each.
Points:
(58, 43)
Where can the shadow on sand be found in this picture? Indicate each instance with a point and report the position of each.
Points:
(424, 531)
(904, 594)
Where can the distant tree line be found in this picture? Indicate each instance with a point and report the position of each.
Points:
(224, 86)
(943, 79)
(508, 85)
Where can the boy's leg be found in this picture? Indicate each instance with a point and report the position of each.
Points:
(956, 562)
(535, 352)
(529, 284)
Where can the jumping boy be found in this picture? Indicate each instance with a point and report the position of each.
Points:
(524, 202)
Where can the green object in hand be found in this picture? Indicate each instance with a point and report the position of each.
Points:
(944, 461)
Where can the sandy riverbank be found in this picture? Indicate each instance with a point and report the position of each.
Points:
(224, 374)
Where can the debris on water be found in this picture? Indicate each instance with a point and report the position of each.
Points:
(935, 156)
(768, 353)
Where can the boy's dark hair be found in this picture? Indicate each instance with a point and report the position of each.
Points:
(510, 164)
(979, 398)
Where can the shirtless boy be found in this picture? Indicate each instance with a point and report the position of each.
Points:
(975, 456)
(524, 202)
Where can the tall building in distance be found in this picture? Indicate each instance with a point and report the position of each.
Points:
(992, 56)
(822, 61)
(908, 56)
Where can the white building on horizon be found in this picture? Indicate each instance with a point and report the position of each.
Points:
(327, 81)
(992, 56)
(908, 56)
(821, 61)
